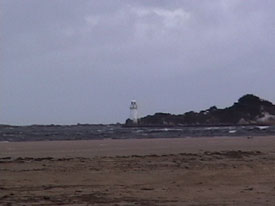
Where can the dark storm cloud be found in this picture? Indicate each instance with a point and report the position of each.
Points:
(69, 61)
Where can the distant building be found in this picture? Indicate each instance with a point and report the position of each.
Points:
(134, 111)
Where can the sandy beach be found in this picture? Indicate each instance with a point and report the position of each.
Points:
(183, 171)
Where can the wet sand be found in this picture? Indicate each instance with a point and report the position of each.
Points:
(187, 171)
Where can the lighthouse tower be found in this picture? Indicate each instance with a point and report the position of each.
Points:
(134, 111)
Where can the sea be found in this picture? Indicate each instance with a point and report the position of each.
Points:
(118, 131)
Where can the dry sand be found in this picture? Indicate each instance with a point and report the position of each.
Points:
(190, 171)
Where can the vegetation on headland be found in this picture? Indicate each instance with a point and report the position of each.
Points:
(249, 110)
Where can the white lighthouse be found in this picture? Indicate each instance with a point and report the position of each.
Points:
(134, 111)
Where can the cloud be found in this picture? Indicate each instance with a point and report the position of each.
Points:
(170, 18)
(83, 61)
(92, 20)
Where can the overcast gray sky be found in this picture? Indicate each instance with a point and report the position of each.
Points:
(82, 61)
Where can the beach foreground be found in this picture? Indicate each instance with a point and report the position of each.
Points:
(187, 171)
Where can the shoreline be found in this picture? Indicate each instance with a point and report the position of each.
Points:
(178, 171)
(114, 147)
